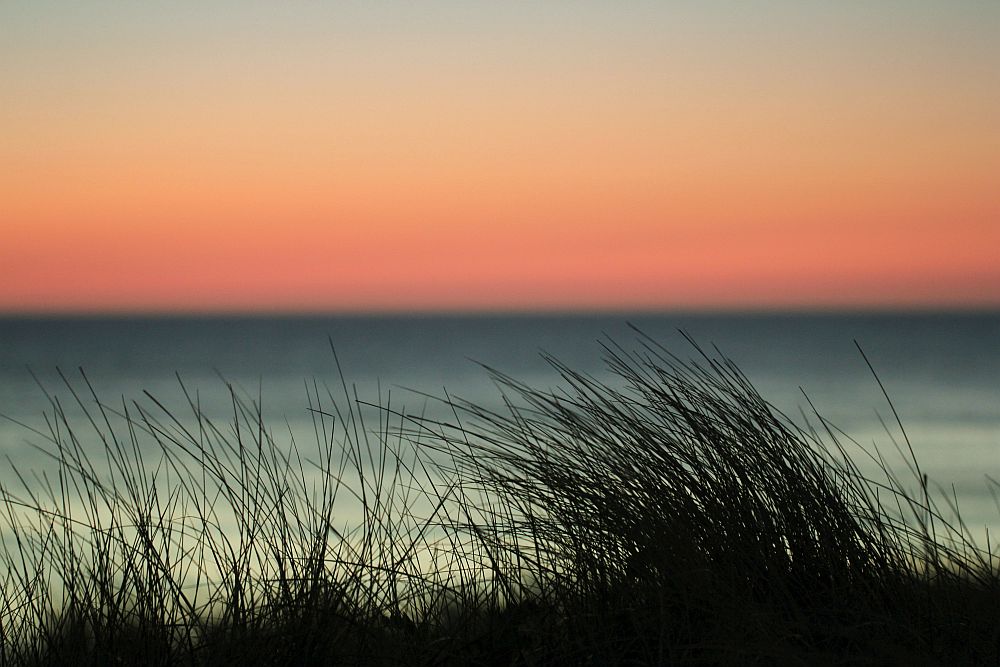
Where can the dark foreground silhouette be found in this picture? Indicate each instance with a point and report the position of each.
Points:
(666, 516)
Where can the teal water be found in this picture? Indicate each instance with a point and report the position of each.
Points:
(942, 370)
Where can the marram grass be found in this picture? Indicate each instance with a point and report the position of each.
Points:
(670, 516)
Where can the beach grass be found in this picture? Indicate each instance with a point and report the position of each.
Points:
(668, 516)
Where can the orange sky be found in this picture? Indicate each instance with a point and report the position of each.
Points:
(255, 157)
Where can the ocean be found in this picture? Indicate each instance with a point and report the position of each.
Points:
(941, 370)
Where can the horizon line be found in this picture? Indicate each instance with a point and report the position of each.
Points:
(276, 313)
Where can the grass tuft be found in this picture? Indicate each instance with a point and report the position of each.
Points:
(670, 516)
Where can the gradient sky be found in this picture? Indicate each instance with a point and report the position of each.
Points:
(291, 156)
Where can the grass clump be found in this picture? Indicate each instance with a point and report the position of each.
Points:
(671, 516)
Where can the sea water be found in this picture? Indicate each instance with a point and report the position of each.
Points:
(940, 369)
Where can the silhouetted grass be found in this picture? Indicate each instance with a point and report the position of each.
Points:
(673, 517)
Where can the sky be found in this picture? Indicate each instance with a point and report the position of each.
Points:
(397, 156)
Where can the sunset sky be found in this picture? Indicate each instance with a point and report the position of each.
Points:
(314, 156)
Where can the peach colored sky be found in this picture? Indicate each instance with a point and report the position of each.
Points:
(373, 156)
